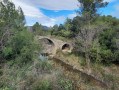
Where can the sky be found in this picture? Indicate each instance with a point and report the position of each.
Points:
(51, 12)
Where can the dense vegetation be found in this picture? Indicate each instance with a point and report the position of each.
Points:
(104, 36)
(20, 65)
(94, 37)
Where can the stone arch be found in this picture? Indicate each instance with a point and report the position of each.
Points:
(47, 41)
(47, 44)
(66, 47)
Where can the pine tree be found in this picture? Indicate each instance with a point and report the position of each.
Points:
(11, 22)
(88, 12)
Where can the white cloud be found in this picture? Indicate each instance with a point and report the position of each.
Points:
(71, 16)
(44, 21)
(109, 0)
(56, 11)
(116, 12)
(60, 19)
(57, 19)
(52, 4)
(34, 14)
(32, 11)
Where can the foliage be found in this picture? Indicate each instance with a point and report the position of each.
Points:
(23, 76)
(89, 8)
(107, 40)
(65, 84)
(15, 41)
(64, 30)
(105, 49)
(12, 21)
(21, 47)
(64, 33)
(90, 31)
(38, 29)
(87, 31)
(45, 85)
(95, 36)
(102, 32)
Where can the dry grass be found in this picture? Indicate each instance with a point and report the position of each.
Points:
(109, 74)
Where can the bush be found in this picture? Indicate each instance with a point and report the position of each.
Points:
(116, 57)
(17, 76)
(44, 85)
(107, 56)
(65, 84)
(21, 47)
(1, 72)
(44, 66)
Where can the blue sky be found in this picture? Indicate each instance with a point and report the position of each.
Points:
(50, 12)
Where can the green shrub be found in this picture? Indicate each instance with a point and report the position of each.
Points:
(1, 72)
(21, 47)
(107, 56)
(44, 65)
(82, 62)
(44, 85)
(65, 84)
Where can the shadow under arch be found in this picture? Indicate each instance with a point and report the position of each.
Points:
(66, 47)
(47, 41)
(48, 45)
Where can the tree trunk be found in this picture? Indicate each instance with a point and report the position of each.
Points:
(87, 55)
(87, 60)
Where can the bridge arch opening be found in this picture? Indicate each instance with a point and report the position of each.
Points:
(47, 44)
(46, 41)
(66, 47)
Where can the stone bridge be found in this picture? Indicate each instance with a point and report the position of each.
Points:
(51, 45)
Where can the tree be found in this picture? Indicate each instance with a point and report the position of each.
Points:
(89, 8)
(55, 27)
(117, 43)
(16, 43)
(20, 47)
(61, 27)
(76, 27)
(20, 18)
(55, 30)
(11, 21)
(108, 40)
(38, 29)
(68, 24)
(87, 32)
